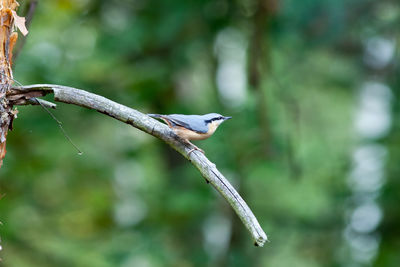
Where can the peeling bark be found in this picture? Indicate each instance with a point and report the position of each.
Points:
(7, 39)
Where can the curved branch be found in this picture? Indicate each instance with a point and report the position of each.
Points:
(151, 126)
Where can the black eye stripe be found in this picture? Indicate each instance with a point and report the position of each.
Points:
(214, 119)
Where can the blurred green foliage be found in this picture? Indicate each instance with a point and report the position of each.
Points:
(289, 72)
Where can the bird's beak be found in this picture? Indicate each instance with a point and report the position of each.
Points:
(227, 118)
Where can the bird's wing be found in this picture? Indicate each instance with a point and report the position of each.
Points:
(191, 122)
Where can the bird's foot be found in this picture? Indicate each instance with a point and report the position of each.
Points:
(196, 148)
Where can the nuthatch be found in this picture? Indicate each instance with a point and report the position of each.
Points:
(192, 127)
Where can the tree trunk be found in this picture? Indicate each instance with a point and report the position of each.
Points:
(7, 40)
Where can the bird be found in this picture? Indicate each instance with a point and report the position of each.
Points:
(192, 127)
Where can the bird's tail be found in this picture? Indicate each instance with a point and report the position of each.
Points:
(154, 115)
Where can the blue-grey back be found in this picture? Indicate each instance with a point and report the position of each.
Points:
(193, 122)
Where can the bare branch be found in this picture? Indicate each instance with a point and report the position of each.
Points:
(42, 102)
(153, 127)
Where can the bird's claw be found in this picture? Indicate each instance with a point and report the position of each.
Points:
(196, 148)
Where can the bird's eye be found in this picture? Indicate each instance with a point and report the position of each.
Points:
(220, 118)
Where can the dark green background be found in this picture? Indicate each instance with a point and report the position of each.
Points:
(294, 73)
